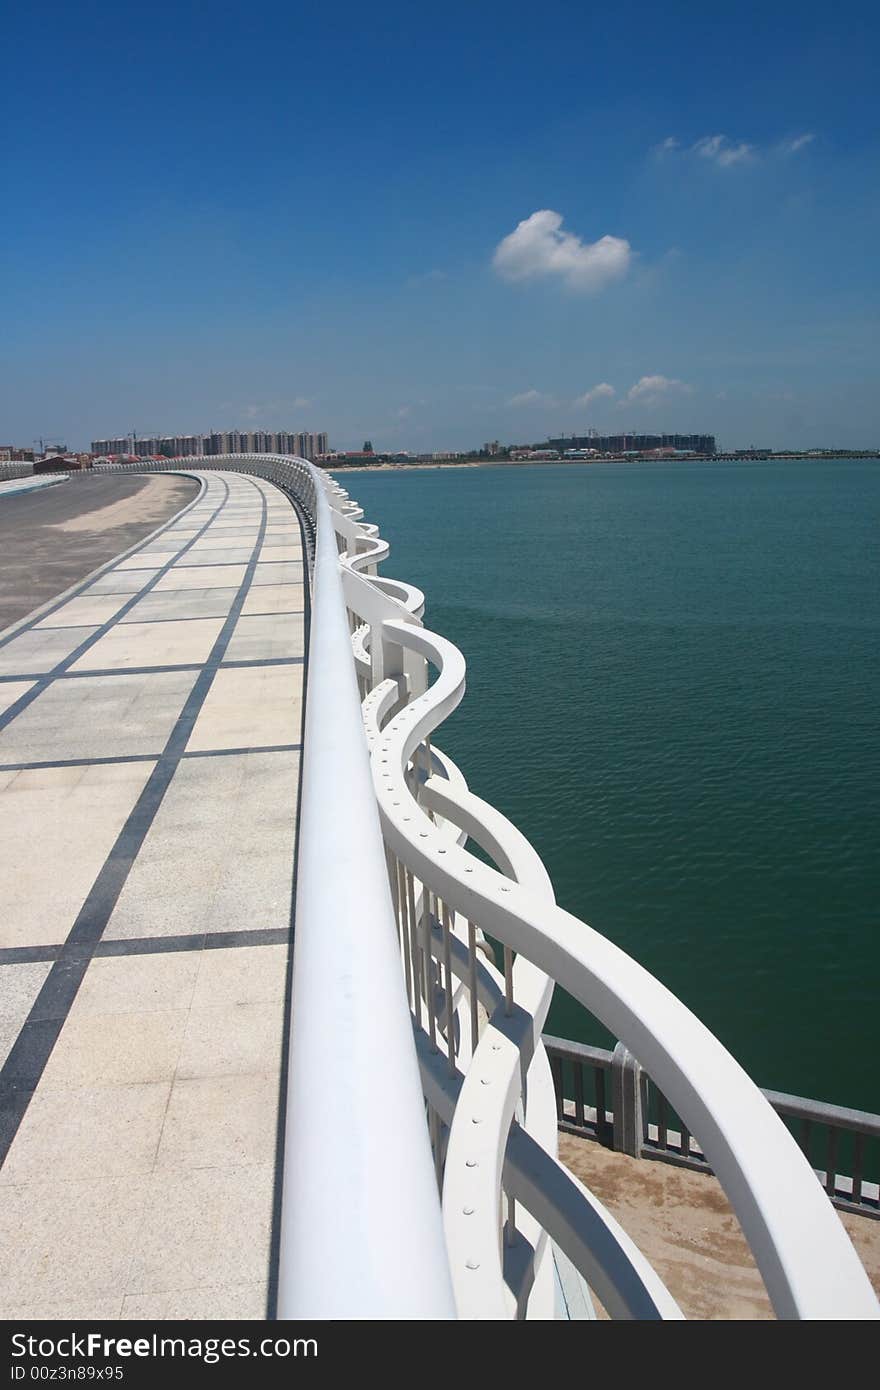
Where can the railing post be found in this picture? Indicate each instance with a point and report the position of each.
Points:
(626, 1090)
(387, 660)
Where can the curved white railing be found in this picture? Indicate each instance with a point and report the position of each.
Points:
(360, 1236)
(360, 1233)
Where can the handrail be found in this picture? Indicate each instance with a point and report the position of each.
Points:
(360, 1229)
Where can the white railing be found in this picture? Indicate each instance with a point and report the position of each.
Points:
(360, 1229)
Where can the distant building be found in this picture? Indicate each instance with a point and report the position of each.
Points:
(175, 446)
(62, 463)
(12, 453)
(109, 448)
(538, 455)
(349, 457)
(637, 443)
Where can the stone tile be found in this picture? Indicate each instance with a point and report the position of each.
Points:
(227, 555)
(40, 649)
(122, 582)
(88, 1132)
(152, 644)
(222, 534)
(102, 774)
(115, 1050)
(100, 716)
(39, 778)
(84, 809)
(140, 560)
(281, 551)
(169, 911)
(186, 603)
(201, 1227)
(241, 810)
(59, 1235)
(265, 636)
(73, 1309)
(255, 892)
(234, 1302)
(19, 986)
(201, 577)
(220, 1122)
(241, 975)
(232, 1040)
(274, 598)
(251, 709)
(170, 541)
(85, 610)
(137, 984)
(278, 573)
(11, 691)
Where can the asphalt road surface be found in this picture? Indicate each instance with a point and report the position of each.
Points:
(54, 537)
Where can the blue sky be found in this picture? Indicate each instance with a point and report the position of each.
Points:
(324, 217)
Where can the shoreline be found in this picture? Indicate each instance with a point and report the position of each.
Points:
(587, 463)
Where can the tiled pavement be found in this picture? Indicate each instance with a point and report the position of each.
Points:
(150, 727)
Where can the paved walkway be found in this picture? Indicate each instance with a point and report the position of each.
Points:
(150, 726)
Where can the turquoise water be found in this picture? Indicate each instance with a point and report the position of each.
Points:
(672, 675)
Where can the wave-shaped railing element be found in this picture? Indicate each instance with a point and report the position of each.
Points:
(507, 1200)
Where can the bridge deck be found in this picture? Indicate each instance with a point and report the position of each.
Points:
(150, 727)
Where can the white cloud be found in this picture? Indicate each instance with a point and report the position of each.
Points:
(648, 390)
(300, 402)
(723, 152)
(797, 142)
(594, 394)
(530, 398)
(539, 247)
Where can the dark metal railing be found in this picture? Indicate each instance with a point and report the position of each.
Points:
(605, 1096)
